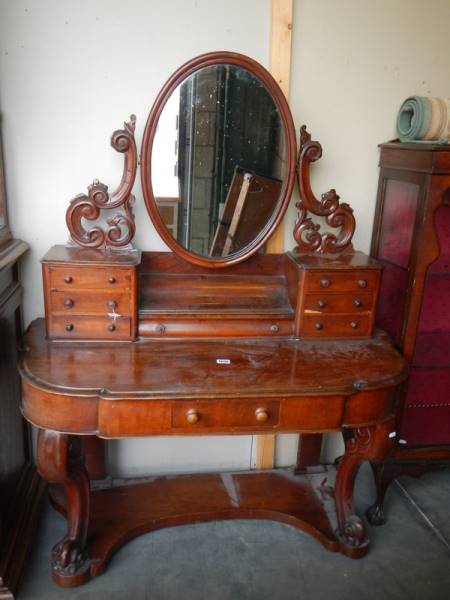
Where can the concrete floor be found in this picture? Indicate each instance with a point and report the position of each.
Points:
(253, 560)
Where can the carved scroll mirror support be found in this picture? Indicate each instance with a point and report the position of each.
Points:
(306, 232)
(120, 228)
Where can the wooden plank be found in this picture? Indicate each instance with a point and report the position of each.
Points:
(280, 68)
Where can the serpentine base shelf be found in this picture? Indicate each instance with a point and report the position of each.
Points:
(119, 514)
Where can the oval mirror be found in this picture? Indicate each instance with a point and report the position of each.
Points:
(218, 159)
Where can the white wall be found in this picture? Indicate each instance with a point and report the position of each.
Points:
(71, 72)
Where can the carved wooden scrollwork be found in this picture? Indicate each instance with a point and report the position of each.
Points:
(306, 232)
(121, 226)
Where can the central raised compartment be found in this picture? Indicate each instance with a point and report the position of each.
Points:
(178, 299)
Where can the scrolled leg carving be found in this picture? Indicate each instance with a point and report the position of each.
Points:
(61, 460)
(367, 443)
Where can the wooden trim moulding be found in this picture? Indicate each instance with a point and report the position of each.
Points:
(280, 68)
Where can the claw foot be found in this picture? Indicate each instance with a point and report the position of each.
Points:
(353, 536)
(70, 563)
(375, 515)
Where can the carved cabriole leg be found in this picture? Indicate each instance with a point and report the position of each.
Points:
(60, 460)
(367, 443)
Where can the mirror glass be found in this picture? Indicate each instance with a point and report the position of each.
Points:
(218, 160)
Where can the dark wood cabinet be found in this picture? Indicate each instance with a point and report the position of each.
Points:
(411, 238)
(21, 489)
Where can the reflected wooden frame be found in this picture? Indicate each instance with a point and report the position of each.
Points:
(207, 60)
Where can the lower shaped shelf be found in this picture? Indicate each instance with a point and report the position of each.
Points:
(119, 514)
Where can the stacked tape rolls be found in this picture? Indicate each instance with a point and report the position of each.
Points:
(426, 119)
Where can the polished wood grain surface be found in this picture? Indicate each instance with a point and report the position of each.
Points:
(92, 256)
(192, 369)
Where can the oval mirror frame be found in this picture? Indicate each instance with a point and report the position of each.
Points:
(207, 60)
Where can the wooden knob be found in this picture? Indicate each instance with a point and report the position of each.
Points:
(321, 303)
(111, 327)
(112, 279)
(111, 304)
(318, 326)
(69, 327)
(274, 328)
(354, 324)
(357, 302)
(325, 282)
(261, 415)
(68, 303)
(362, 283)
(68, 279)
(192, 416)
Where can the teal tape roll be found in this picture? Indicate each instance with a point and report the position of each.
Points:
(414, 118)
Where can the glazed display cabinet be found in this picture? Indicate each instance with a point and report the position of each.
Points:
(411, 238)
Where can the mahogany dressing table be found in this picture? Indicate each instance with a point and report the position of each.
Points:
(215, 337)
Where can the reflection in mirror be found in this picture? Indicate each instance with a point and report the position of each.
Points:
(218, 160)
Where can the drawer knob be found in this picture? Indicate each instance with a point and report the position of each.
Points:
(111, 327)
(192, 416)
(112, 279)
(274, 328)
(111, 304)
(321, 303)
(261, 415)
(69, 327)
(318, 326)
(357, 302)
(362, 283)
(68, 279)
(353, 324)
(68, 303)
(325, 282)
(161, 328)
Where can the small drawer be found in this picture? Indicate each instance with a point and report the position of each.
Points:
(329, 326)
(89, 278)
(338, 303)
(220, 415)
(101, 303)
(89, 328)
(187, 327)
(341, 281)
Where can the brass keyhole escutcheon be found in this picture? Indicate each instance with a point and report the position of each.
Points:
(192, 416)
(262, 415)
